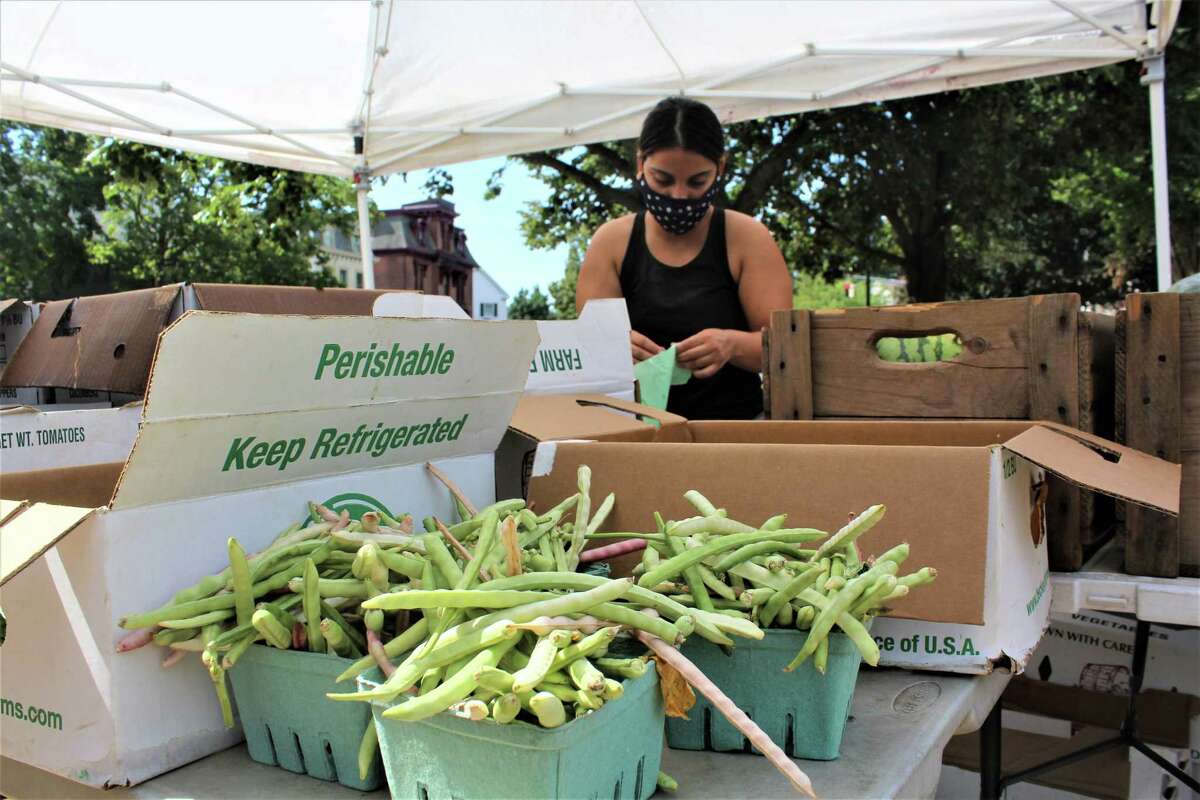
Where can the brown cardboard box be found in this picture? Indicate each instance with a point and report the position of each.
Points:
(966, 495)
(105, 343)
(595, 417)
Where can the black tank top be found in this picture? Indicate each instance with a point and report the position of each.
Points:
(669, 304)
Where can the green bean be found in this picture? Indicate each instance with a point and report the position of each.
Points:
(700, 503)
(852, 530)
(238, 650)
(897, 554)
(585, 676)
(441, 558)
(206, 587)
(198, 621)
(210, 660)
(786, 616)
(746, 552)
(168, 636)
(821, 657)
(331, 587)
(270, 629)
(873, 595)
(593, 644)
(556, 513)
(784, 596)
(430, 680)
(578, 581)
(367, 750)
(495, 679)
(312, 608)
(453, 689)
(667, 783)
(505, 708)
(401, 644)
(601, 514)
(233, 635)
(539, 563)
(334, 640)
(487, 540)
(678, 563)
(839, 604)
(691, 575)
(548, 709)
(711, 581)
(919, 578)
(623, 615)
(502, 508)
(774, 523)
(331, 613)
(582, 511)
(613, 690)
(261, 565)
(622, 667)
(713, 524)
(539, 664)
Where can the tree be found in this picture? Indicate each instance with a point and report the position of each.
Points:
(562, 291)
(530, 305)
(84, 215)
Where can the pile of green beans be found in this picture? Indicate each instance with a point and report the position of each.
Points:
(772, 576)
(486, 617)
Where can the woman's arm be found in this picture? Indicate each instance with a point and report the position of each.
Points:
(764, 285)
(599, 278)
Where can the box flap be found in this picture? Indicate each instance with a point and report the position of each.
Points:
(585, 355)
(27, 535)
(251, 299)
(890, 433)
(415, 304)
(241, 401)
(10, 507)
(1103, 466)
(571, 416)
(5, 305)
(103, 343)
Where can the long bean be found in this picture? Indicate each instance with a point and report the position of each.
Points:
(852, 530)
(678, 563)
(454, 689)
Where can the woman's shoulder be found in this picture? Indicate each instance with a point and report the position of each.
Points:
(615, 229)
(611, 239)
(744, 227)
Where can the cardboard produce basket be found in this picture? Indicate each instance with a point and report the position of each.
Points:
(1158, 412)
(1022, 358)
(290, 723)
(804, 712)
(614, 752)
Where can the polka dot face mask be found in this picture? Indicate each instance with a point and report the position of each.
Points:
(676, 215)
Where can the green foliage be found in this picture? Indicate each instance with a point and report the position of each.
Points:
(530, 305)
(813, 291)
(83, 215)
(562, 291)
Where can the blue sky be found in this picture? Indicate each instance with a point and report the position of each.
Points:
(493, 227)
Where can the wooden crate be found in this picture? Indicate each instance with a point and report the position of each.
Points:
(1023, 358)
(1158, 412)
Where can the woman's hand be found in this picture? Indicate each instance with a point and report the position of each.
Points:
(706, 352)
(643, 346)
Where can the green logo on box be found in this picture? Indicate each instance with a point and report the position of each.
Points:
(355, 503)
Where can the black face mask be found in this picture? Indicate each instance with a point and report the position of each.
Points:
(674, 214)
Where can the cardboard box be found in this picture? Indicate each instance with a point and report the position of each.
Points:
(967, 495)
(105, 343)
(247, 418)
(16, 320)
(589, 355)
(32, 440)
(548, 417)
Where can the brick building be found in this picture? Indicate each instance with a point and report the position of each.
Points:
(417, 246)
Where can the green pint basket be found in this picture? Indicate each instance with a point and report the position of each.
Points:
(614, 752)
(290, 722)
(804, 712)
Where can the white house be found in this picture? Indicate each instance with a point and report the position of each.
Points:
(491, 301)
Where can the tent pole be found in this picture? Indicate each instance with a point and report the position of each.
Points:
(1153, 76)
(362, 186)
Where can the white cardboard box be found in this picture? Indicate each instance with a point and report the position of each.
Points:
(247, 418)
(33, 440)
(589, 355)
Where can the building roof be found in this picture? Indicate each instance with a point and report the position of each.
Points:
(482, 273)
(398, 231)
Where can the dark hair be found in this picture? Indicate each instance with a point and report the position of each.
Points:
(683, 122)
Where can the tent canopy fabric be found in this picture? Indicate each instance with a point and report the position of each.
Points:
(290, 84)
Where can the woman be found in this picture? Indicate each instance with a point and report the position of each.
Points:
(702, 278)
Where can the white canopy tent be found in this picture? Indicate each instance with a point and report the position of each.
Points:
(365, 88)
